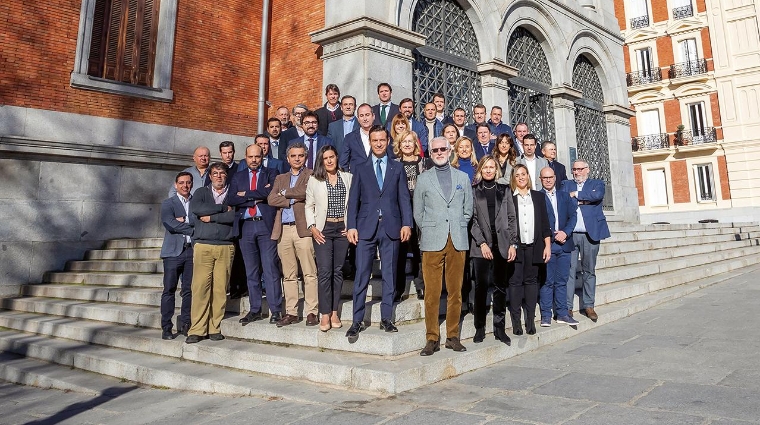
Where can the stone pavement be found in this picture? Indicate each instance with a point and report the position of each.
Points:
(695, 360)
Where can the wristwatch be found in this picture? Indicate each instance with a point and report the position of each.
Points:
(514, 246)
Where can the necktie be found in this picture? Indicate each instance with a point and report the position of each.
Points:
(485, 149)
(379, 173)
(383, 115)
(309, 161)
(275, 148)
(252, 210)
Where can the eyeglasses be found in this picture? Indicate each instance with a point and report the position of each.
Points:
(547, 178)
(437, 150)
(579, 169)
(309, 123)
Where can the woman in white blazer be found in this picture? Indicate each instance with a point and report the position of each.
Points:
(326, 199)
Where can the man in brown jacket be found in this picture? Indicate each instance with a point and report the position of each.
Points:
(294, 242)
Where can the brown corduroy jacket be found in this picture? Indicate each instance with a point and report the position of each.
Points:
(298, 194)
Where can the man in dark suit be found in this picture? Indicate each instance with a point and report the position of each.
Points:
(590, 229)
(498, 126)
(459, 119)
(227, 153)
(331, 110)
(255, 220)
(440, 109)
(267, 161)
(337, 130)
(479, 116)
(483, 145)
(296, 130)
(311, 139)
(283, 114)
(549, 149)
(277, 145)
(385, 110)
(562, 218)
(177, 255)
(406, 107)
(379, 216)
(430, 122)
(356, 146)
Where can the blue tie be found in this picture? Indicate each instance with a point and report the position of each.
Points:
(379, 173)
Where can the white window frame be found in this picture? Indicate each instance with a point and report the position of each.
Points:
(162, 71)
(629, 11)
(699, 170)
(665, 169)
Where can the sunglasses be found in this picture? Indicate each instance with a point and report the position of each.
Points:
(437, 150)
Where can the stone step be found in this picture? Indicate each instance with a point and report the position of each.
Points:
(134, 243)
(140, 266)
(127, 280)
(670, 234)
(620, 227)
(648, 256)
(124, 254)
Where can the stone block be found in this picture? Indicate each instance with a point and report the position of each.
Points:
(12, 120)
(78, 182)
(67, 127)
(519, 378)
(601, 415)
(605, 389)
(30, 220)
(145, 186)
(532, 408)
(439, 417)
(712, 400)
(49, 256)
(20, 178)
(186, 140)
(151, 137)
(102, 220)
(14, 258)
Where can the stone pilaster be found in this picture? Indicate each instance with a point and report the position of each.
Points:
(563, 101)
(494, 78)
(619, 135)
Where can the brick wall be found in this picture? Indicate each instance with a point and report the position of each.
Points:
(639, 183)
(627, 58)
(723, 176)
(660, 11)
(680, 182)
(665, 52)
(620, 13)
(701, 6)
(672, 110)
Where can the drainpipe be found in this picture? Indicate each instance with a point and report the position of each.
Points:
(263, 66)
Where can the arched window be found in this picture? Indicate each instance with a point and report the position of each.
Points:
(447, 63)
(529, 100)
(590, 125)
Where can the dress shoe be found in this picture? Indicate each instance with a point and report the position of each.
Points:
(216, 337)
(530, 331)
(454, 344)
(312, 320)
(287, 319)
(336, 323)
(250, 318)
(276, 317)
(430, 348)
(388, 326)
(324, 327)
(167, 334)
(501, 335)
(353, 332)
(420, 294)
(183, 328)
(192, 339)
(591, 314)
(517, 329)
(480, 335)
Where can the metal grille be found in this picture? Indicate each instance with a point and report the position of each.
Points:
(590, 126)
(640, 22)
(651, 75)
(682, 12)
(685, 69)
(448, 62)
(525, 53)
(534, 108)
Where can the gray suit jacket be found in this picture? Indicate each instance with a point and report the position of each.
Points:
(540, 164)
(438, 217)
(174, 237)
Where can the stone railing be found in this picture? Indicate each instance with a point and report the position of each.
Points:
(636, 78)
(685, 69)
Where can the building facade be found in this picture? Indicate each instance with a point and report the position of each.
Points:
(692, 71)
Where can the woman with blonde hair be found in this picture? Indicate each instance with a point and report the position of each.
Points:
(464, 157)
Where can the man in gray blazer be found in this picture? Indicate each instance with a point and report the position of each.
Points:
(534, 162)
(177, 254)
(442, 209)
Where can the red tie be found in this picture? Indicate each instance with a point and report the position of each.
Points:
(252, 210)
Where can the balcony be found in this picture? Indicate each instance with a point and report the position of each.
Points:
(637, 78)
(650, 142)
(686, 69)
(691, 138)
(683, 12)
(640, 22)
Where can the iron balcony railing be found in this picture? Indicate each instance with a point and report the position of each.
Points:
(650, 142)
(683, 12)
(651, 75)
(685, 69)
(689, 137)
(640, 22)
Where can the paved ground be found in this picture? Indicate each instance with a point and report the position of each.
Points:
(695, 360)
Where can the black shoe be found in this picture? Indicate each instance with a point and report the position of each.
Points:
(517, 329)
(353, 332)
(388, 326)
(454, 344)
(192, 339)
(430, 348)
(237, 295)
(250, 318)
(184, 328)
(216, 337)
(274, 318)
(167, 334)
(420, 294)
(501, 335)
(530, 330)
(480, 335)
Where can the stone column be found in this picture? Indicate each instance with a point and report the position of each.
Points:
(563, 101)
(360, 53)
(494, 77)
(625, 198)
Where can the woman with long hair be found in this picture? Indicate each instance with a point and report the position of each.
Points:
(326, 199)
(451, 133)
(505, 154)
(464, 157)
(489, 264)
(399, 124)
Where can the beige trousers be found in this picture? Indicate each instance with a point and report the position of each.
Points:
(294, 251)
(212, 265)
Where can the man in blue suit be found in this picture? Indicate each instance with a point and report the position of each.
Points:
(562, 218)
(337, 130)
(479, 116)
(406, 106)
(248, 193)
(483, 145)
(268, 161)
(379, 216)
(433, 126)
(177, 255)
(385, 110)
(549, 149)
(356, 146)
(498, 126)
(313, 140)
(590, 229)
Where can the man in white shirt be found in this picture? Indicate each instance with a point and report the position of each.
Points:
(534, 163)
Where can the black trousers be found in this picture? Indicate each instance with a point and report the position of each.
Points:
(490, 274)
(523, 288)
(409, 258)
(330, 257)
(174, 267)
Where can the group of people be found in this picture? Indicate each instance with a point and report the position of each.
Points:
(469, 210)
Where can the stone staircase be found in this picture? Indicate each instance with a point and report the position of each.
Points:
(102, 315)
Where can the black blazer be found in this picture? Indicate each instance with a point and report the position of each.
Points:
(481, 224)
(392, 111)
(325, 118)
(258, 197)
(541, 227)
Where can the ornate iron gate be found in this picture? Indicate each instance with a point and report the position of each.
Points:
(590, 125)
(448, 62)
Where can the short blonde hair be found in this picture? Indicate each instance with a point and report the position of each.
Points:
(482, 163)
(455, 159)
(401, 137)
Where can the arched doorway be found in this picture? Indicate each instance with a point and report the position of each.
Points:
(529, 99)
(447, 63)
(590, 125)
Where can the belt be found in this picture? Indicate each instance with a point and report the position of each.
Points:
(289, 223)
(187, 245)
(257, 218)
(335, 219)
(526, 245)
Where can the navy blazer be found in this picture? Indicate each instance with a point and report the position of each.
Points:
(478, 148)
(353, 153)
(366, 201)
(559, 171)
(590, 202)
(567, 210)
(174, 236)
(391, 112)
(288, 135)
(335, 132)
(321, 141)
(500, 129)
(278, 165)
(258, 197)
(471, 132)
(541, 227)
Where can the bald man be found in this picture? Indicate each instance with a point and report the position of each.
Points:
(199, 171)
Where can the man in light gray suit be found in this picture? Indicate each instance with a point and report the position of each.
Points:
(534, 162)
(442, 209)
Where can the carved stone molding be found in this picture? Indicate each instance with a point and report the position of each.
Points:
(367, 34)
(496, 73)
(618, 114)
(564, 96)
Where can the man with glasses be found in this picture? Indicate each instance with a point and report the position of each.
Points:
(590, 229)
(442, 208)
(295, 130)
(311, 139)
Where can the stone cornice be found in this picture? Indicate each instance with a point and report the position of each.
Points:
(619, 111)
(367, 34)
(496, 73)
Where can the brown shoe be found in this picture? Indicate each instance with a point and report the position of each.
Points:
(312, 320)
(454, 344)
(591, 314)
(430, 348)
(288, 319)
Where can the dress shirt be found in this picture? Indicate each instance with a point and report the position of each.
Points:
(484, 148)
(348, 125)
(288, 216)
(461, 131)
(219, 197)
(312, 149)
(365, 141)
(531, 164)
(186, 204)
(580, 225)
(525, 215)
(553, 199)
(274, 148)
(247, 214)
(383, 168)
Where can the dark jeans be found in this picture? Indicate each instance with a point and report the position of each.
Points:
(330, 258)
(408, 263)
(523, 288)
(174, 267)
(490, 274)
(260, 255)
